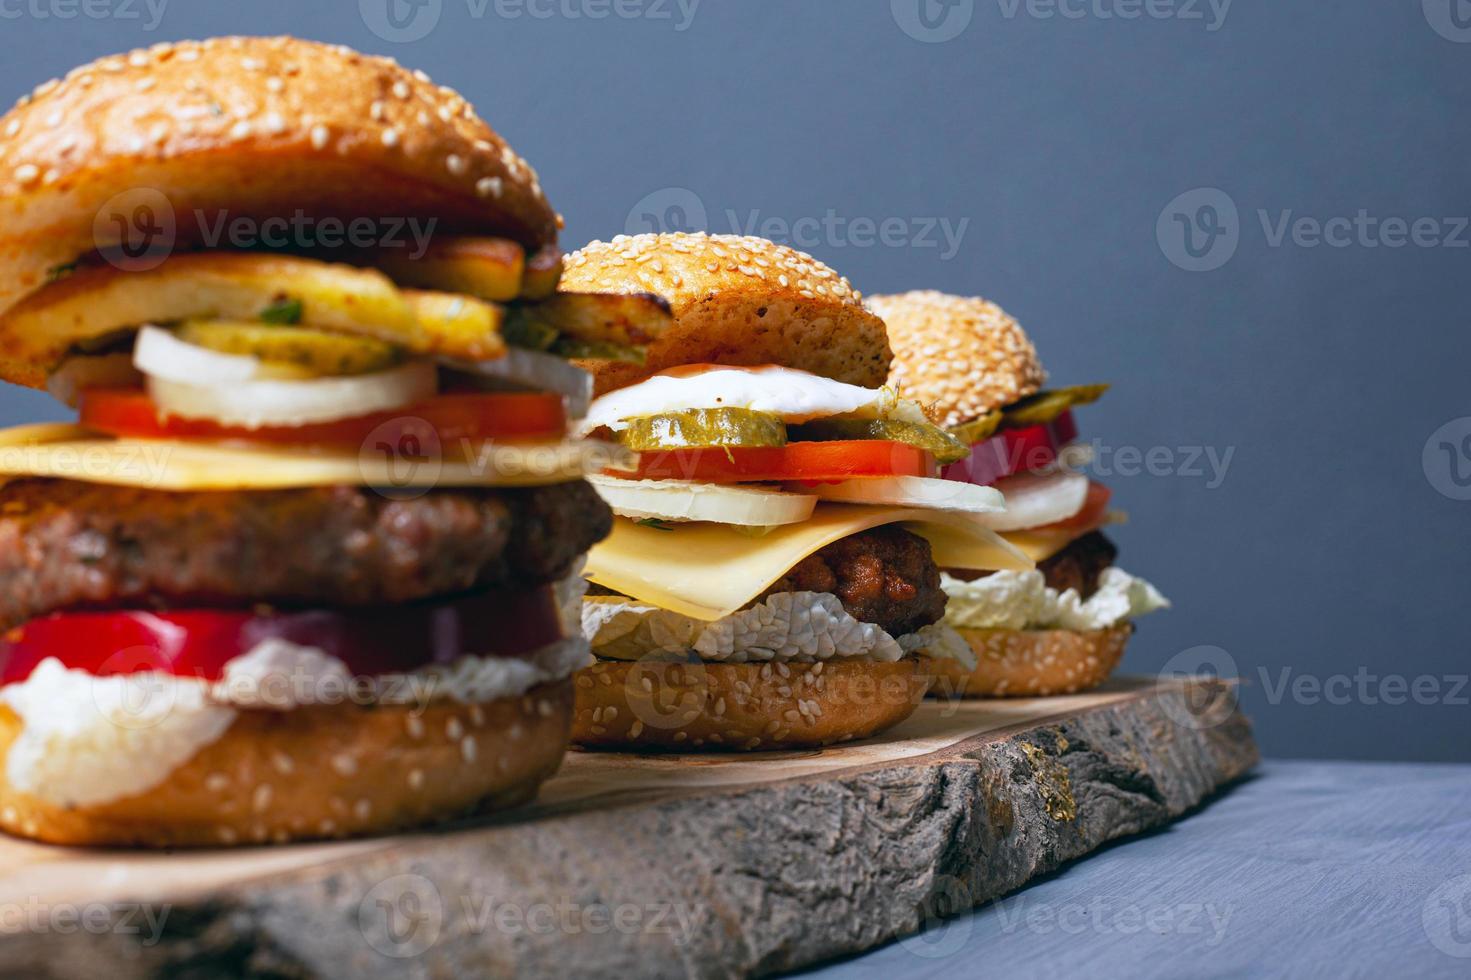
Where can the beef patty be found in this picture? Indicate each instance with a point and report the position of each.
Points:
(66, 544)
(884, 576)
(1075, 567)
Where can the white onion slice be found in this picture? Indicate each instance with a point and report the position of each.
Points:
(77, 374)
(159, 354)
(916, 491)
(255, 404)
(675, 500)
(537, 371)
(1034, 499)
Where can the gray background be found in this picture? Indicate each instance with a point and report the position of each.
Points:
(1327, 549)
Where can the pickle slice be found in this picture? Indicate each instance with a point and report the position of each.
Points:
(921, 435)
(1046, 406)
(315, 352)
(978, 430)
(704, 428)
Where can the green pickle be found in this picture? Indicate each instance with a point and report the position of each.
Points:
(311, 352)
(921, 435)
(1046, 406)
(704, 428)
(980, 429)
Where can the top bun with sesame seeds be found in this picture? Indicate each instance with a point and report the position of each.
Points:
(255, 128)
(736, 301)
(960, 357)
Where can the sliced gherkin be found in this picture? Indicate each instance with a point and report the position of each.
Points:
(1046, 406)
(571, 347)
(704, 428)
(921, 435)
(315, 352)
(978, 430)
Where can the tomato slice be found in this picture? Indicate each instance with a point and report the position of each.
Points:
(371, 642)
(1095, 509)
(474, 416)
(1013, 451)
(798, 462)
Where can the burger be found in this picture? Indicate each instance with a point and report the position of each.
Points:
(307, 565)
(1061, 627)
(775, 558)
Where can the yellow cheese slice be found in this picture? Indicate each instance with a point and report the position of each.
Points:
(708, 571)
(1041, 545)
(73, 453)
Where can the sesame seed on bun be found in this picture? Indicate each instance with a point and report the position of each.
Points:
(249, 127)
(325, 771)
(1029, 663)
(959, 357)
(737, 301)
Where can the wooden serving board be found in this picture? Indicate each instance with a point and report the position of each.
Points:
(696, 865)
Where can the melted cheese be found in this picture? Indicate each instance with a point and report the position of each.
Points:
(73, 453)
(709, 571)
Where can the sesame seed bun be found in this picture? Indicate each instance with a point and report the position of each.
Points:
(321, 772)
(249, 127)
(661, 706)
(738, 301)
(960, 357)
(1029, 663)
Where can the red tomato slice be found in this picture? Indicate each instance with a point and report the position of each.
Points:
(798, 462)
(1014, 451)
(1095, 509)
(371, 642)
(474, 416)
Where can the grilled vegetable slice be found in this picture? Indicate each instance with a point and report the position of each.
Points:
(485, 268)
(317, 351)
(542, 273)
(458, 326)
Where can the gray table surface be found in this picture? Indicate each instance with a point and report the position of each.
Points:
(1308, 869)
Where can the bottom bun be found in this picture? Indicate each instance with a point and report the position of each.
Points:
(679, 706)
(322, 772)
(1029, 663)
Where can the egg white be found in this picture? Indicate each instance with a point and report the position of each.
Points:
(794, 396)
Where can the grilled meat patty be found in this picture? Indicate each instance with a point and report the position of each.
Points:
(66, 544)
